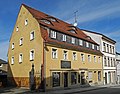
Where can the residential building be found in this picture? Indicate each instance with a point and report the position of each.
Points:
(61, 53)
(107, 47)
(3, 73)
(118, 66)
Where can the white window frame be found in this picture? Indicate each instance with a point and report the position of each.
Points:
(26, 22)
(32, 35)
(82, 57)
(65, 55)
(53, 34)
(20, 58)
(13, 45)
(80, 42)
(93, 46)
(17, 28)
(32, 54)
(54, 53)
(73, 40)
(21, 41)
(12, 60)
(87, 44)
(64, 37)
(74, 56)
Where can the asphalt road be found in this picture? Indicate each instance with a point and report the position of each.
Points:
(110, 90)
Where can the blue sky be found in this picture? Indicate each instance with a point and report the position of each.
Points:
(101, 16)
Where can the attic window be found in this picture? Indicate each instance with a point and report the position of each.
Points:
(88, 37)
(73, 27)
(45, 21)
(52, 19)
(17, 28)
(72, 31)
(26, 21)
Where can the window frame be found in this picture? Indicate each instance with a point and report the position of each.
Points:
(20, 58)
(32, 55)
(32, 35)
(21, 41)
(12, 60)
(54, 53)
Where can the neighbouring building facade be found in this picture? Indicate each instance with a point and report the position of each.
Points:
(61, 53)
(3, 72)
(118, 67)
(107, 47)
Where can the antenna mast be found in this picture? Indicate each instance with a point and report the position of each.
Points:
(75, 13)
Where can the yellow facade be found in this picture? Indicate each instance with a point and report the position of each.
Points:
(18, 73)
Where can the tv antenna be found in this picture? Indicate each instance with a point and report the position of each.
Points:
(75, 13)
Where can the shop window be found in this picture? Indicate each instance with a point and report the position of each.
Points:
(56, 79)
(73, 78)
(99, 75)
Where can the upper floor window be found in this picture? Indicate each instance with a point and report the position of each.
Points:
(17, 28)
(12, 46)
(74, 56)
(32, 53)
(104, 47)
(65, 55)
(1, 65)
(32, 35)
(107, 47)
(82, 57)
(26, 21)
(64, 38)
(21, 41)
(95, 59)
(54, 53)
(105, 61)
(80, 42)
(98, 48)
(99, 59)
(20, 57)
(53, 34)
(73, 40)
(89, 58)
(93, 46)
(12, 60)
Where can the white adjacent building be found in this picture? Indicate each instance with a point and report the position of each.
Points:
(118, 66)
(107, 47)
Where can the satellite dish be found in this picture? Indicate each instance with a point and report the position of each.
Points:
(75, 24)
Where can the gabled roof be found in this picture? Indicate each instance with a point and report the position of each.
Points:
(57, 25)
(105, 37)
(2, 61)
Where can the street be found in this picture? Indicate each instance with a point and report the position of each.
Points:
(109, 90)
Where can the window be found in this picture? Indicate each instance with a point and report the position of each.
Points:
(26, 21)
(64, 38)
(20, 58)
(73, 40)
(93, 46)
(32, 55)
(21, 41)
(98, 59)
(74, 56)
(99, 75)
(45, 21)
(12, 46)
(95, 59)
(54, 53)
(89, 58)
(73, 78)
(80, 42)
(104, 47)
(111, 62)
(56, 79)
(108, 62)
(32, 35)
(105, 62)
(107, 48)
(12, 60)
(82, 57)
(110, 49)
(65, 55)
(87, 44)
(52, 19)
(53, 34)
(17, 28)
(98, 48)
(1, 65)
(90, 75)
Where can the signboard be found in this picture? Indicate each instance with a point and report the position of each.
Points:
(65, 64)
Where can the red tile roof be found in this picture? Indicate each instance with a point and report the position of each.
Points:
(58, 25)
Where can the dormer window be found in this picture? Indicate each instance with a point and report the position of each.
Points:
(72, 31)
(53, 34)
(64, 38)
(93, 46)
(26, 21)
(88, 37)
(17, 28)
(46, 21)
(73, 40)
(87, 44)
(80, 42)
(52, 19)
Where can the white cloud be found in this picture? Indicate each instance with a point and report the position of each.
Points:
(4, 49)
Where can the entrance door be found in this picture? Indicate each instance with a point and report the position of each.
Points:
(105, 78)
(82, 78)
(66, 79)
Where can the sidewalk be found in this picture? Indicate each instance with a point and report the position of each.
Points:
(71, 90)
